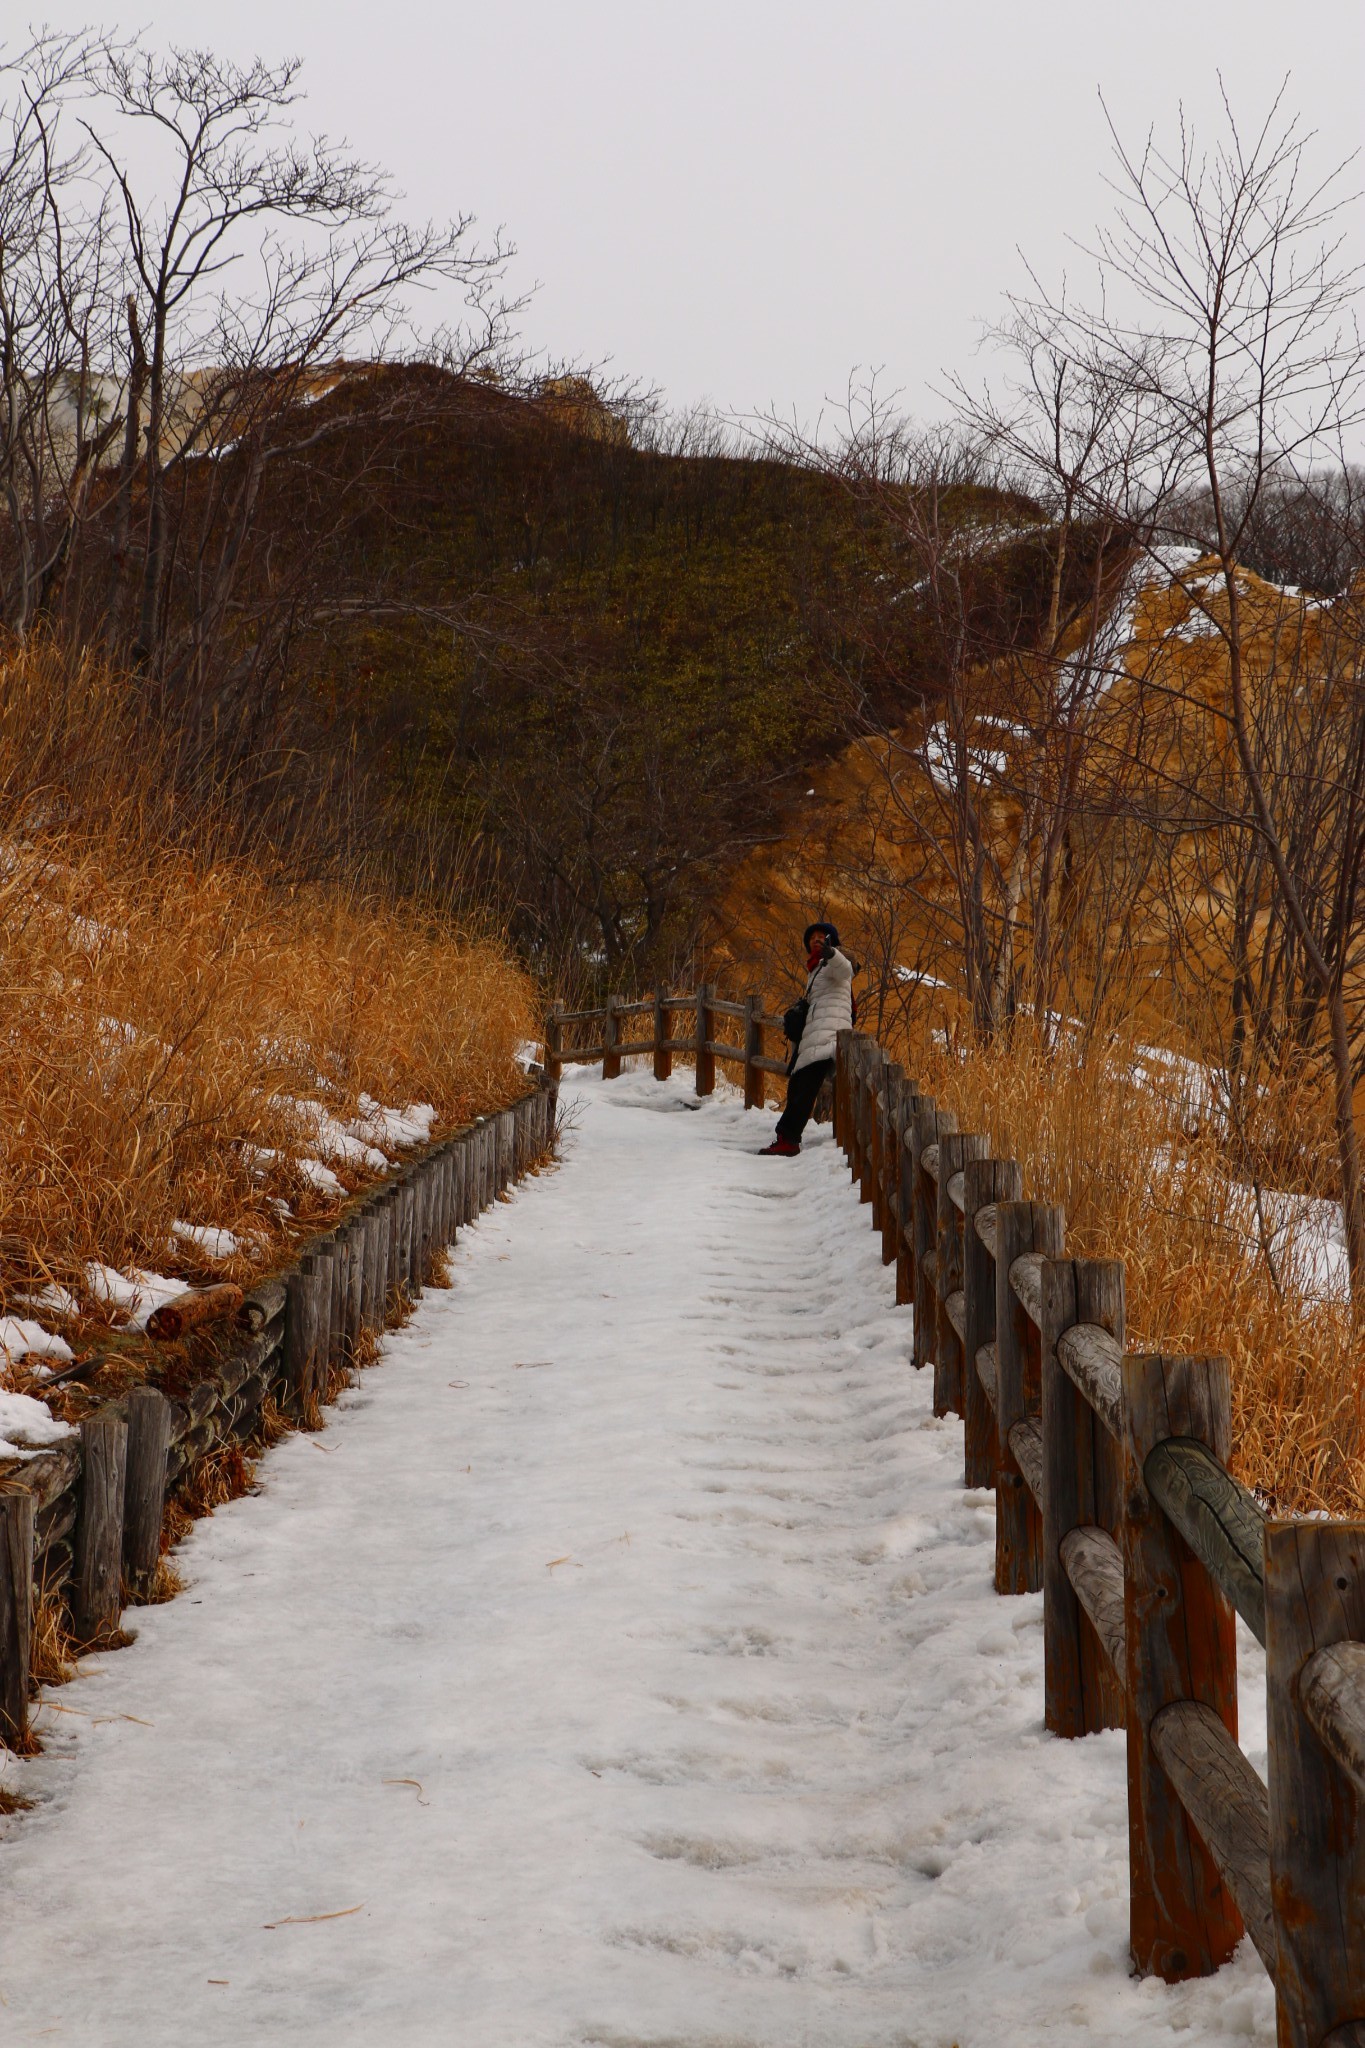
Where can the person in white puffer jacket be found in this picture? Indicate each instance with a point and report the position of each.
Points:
(828, 1011)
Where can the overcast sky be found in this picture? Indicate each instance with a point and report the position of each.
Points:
(745, 202)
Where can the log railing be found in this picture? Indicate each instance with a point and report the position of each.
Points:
(1114, 1500)
(82, 1525)
(618, 1037)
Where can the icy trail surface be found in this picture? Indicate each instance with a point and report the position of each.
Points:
(620, 1667)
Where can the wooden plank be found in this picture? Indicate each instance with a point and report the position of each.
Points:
(1020, 1227)
(1091, 1560)
(144, 1494)
(766, 1064)
(1026, 1443)
(704, 1061)
(753, 1052)
(611, 1049)
(1180, 1645)
(719, 1049)
(1092, 1358)
(955, 1308)
(723, 1006)
(985, 1372)
(984, 1183)
(955, 1191)
(1229, 1806)
(929, 1161)
(1314, 1601)
(1218, 1518)
(955, 1148)
(1080, 1490)
(985, 1223)
(1332, 1692)
(924, 1133)
(16, 1611)
(1026, 1278)
(554, 1040)
(663, 1045)
(893, 1078)
(96, 1594)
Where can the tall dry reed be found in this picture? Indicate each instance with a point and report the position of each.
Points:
(166, 1011)
(1137, 1152)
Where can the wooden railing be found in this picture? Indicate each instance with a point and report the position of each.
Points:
(619, 1036)
(1113, 1497)
(83, 1525)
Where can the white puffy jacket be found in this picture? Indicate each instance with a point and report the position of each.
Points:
(829, 992)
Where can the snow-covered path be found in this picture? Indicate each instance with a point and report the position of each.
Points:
(625, 1652)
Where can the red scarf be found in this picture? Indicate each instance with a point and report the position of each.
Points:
(815, 955)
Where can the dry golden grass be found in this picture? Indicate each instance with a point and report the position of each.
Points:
(1147, 1178)
(166, 1011)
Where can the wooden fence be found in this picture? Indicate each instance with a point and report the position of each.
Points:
(621, 1037)
(1114, 1499)
(83, 1523)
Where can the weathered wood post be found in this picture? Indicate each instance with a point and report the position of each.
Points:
(663, 1032)
(705, 1058)
(955, 1148)
(1081, 1490)
(753, 1052)
(1180, 1645)
(985, 1184)
(554, 1044)
(611, 1041)
(912, 1101)
(930, 1125)
(841, 1047)
(144, 1493)
(893, 1081)
(16, 1611)
(1315, 1662)
(300, 1333)
(96, 1590)
(875, 1192)
(1020, 1227)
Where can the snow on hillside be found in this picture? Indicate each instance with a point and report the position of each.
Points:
(621, 1667)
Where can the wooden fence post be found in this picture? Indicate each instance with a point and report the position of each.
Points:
(1081, 1489)
(930, 1124)
(876, 1095)
(1019, 1227)
(893, 1082)
(96, 1580)
(663, 1031)
(144, 1493)
(955, 1148)
(706, 1059)
(16, 1611)
(1180, 1645)
(984, 1181)
(611, 1041)
(554, 1044)
(1314, 1601)
(753, 1052)
(912, 1101)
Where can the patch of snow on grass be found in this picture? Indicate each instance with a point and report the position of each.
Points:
(21, 1338)
(216, 1243)
(27, 1426)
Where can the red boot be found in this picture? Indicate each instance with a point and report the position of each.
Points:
(781, 1148)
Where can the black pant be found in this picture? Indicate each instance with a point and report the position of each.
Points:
(802, 1089)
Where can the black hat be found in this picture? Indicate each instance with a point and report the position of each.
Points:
(831, 932)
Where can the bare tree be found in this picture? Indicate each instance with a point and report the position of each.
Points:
(1229, 308)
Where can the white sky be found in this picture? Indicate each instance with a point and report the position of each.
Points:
(744, 202)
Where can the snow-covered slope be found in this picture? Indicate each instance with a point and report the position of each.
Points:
(621, 1667)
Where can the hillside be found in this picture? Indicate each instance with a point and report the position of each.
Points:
(573, 663)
